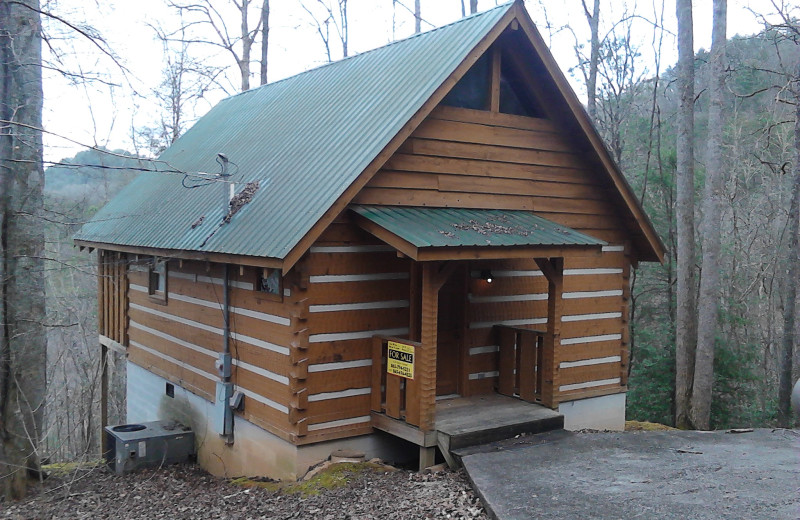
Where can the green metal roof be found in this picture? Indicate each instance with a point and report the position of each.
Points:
(460, 227)
(305, 139)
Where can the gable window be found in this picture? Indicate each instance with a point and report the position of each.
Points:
(270, 282)
(511, 93)
(472, 90)
(515, 97)
(157, 280)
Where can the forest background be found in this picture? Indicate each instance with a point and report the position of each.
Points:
(619, 55)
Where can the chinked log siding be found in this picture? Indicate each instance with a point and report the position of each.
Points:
(181, 338)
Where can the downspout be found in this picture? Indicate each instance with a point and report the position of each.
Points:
(226, 315)
(223, 412)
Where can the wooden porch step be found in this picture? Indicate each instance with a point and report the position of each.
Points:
(470, 421)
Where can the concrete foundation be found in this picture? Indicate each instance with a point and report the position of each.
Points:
(597, 413)
(255, 451)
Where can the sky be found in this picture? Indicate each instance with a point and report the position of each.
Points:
(106, 111)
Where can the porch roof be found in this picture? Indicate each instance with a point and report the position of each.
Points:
(424, 233)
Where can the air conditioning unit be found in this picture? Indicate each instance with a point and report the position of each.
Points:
(133, 446)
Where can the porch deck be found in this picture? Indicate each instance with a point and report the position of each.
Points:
(469, 421)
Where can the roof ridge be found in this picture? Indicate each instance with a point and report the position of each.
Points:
(505, 5)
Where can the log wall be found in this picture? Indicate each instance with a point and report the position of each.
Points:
(357, 288)
(180, 339)
(475, 159)
(112, 295)
(592, 355)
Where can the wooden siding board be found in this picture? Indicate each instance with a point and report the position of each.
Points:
(355, 263)
(583, 374)
(359, 320)
(460, 166)
(584, 351)
(339, 380)
(338, 409)
(331, 293)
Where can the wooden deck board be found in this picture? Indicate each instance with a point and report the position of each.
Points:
(486, 418)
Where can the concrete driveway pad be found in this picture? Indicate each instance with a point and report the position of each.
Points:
(648, 475)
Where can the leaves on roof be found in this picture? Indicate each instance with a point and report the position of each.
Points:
(241, 199)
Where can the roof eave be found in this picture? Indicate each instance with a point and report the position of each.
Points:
(184, 254)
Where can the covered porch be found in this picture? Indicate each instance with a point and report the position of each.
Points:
(421, 388)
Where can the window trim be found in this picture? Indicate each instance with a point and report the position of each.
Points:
(157, 269)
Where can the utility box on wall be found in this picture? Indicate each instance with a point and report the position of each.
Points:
(133, 446)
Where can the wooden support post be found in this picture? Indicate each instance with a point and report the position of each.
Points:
(427, 457)
(495, 95)
(553, 269)
(427, 359)
(414, 301)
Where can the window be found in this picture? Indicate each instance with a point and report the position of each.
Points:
(515, 96)
(270, 282)
(157, 281)
(472, 90)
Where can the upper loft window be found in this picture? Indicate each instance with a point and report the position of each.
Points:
(157, 279)
(472, 90)
(515, 97)
(270, 282)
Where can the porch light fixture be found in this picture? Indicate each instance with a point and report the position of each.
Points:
(486, 274)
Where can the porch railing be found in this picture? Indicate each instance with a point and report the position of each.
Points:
(520, 362)
(397, 397)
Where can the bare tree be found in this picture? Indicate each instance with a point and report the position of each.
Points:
(186, 80)
(324, 15)
(709, 295)
(788, 28)
(417, 17)
(473, 6)
(264, 40)
(23, 344)
(211, 27)
(793, 273)
(593, 18)
(686, 315)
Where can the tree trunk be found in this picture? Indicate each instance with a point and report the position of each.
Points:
(264, 40)
(247, 43)
(417, 18)
(793, 268)
(473, 6)
(686, 316)
(709, 297)
(594, 58)
(23, 344)
(344, 30)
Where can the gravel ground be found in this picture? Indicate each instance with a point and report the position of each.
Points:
(183, 492)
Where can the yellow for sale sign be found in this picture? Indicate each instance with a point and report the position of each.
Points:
(400, 360)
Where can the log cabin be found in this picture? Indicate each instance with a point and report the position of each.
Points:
(353, 256)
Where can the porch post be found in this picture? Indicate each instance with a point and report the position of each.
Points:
(427, 358)
(553, 269)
